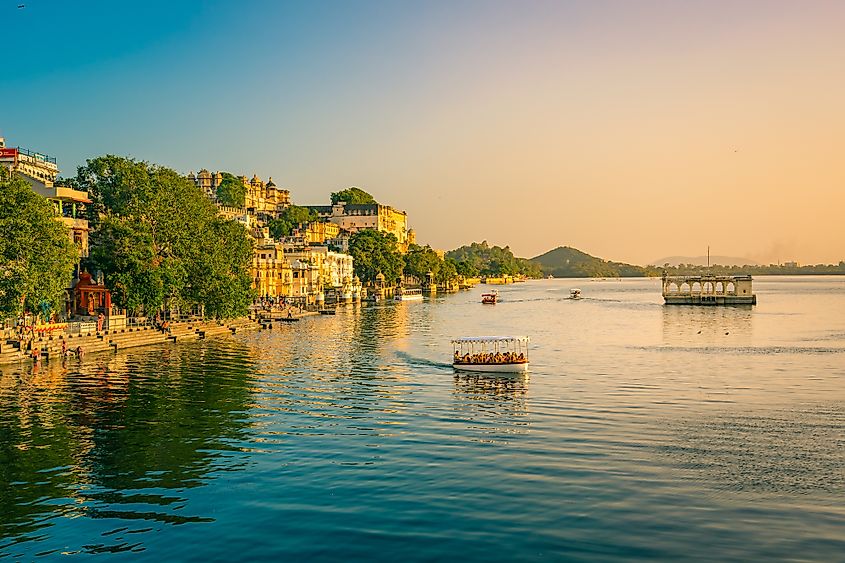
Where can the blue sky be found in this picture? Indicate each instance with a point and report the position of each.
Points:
(533, 124)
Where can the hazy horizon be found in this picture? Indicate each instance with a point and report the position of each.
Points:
(627, 130)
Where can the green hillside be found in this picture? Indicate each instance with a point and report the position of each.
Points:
(566, 262)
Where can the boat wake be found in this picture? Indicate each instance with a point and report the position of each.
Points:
(421, 362)
(750, 350)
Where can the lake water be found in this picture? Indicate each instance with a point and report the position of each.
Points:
(641, 432)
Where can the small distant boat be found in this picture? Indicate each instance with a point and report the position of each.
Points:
(490, 298)
(403, 294)
(491, 354)
(575, 293)
(328, 312)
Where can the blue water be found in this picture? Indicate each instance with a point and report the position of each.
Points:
(641, 432)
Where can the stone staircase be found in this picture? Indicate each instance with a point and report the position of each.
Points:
(120, 339)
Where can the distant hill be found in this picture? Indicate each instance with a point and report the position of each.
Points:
(702, 261)
(567, 262)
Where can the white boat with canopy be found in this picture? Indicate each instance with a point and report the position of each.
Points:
(408, 294)
(492, 354)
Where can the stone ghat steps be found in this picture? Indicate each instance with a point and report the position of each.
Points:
(113, 340)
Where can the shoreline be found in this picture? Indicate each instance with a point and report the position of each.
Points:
(50, 347)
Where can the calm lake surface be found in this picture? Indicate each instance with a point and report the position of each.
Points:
(641, 432)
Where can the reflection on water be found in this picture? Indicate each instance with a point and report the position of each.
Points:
(643, 431)
(494, 405)
(116, 439)
(703, 327)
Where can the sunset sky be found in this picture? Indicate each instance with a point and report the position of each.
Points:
(631, 130)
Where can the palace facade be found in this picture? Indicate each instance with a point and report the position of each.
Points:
(357, 217)
(261, 197)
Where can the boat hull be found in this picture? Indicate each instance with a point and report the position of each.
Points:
(493, 368)
(408, 298)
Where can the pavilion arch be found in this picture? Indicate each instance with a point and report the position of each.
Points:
(696, 287)
(731, 288)
(720, 287)
(708, 287)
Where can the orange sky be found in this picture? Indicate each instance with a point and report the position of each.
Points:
(630, 130)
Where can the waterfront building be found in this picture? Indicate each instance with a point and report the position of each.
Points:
(41, 171)
(334, 269)
(708, 290)
(289, 270)
(272, 274)
(356, 217)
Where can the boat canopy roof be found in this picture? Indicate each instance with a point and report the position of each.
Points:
(490, 339)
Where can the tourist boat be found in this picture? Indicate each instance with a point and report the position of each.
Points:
(490, 298)
(407, 294)
(491, 354)
(575, 293)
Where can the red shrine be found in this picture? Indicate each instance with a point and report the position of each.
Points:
(90, 297)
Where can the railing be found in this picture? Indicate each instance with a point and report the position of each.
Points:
(36, 155)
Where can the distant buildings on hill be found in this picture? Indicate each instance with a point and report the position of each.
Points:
(312, 258)
(260, 197)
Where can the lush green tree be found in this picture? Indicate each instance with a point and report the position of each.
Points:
(160, 241)
(464, 268)
(219, 274)
(448, 271)
(483, 259)
(353, 195)
(231, 191)
(420, 260)
(36, 255)
(375, 252)
(289, 219)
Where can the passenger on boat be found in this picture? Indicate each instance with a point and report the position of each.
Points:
(489, 358)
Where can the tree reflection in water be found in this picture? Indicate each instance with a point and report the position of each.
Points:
(118, 437)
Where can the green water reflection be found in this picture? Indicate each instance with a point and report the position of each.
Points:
(85, 439)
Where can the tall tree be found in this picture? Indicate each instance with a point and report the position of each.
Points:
(36, 255)
(448, 271)
(231, 191)
(353, 195)
(376, 253)
(420, 260)
(289, 219)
